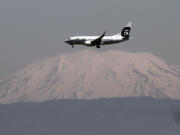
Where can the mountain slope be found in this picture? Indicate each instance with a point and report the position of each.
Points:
(89, 75)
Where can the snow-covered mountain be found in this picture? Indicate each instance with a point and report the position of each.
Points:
(89, 75)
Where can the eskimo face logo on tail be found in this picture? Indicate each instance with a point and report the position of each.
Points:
(126, 32)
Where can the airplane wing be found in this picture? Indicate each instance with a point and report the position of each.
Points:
(98, 40)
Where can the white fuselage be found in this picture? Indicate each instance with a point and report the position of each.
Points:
(86, 40)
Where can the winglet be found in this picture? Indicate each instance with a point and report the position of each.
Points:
(103, 34)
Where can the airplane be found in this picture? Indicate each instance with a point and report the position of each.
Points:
(97, 41)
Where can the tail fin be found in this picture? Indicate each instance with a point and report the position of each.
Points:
(126, 30)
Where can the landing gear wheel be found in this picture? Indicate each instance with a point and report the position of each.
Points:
(98, 46)
(72, 46)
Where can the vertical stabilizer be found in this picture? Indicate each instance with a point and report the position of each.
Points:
(126, 30)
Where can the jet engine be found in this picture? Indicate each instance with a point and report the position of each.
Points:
(87, 43)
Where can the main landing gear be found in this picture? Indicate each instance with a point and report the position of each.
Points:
(98, 46)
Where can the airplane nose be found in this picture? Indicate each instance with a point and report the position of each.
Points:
(66, 41)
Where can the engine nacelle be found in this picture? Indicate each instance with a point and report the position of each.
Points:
(87, 42)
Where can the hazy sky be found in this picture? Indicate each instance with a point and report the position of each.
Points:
(34, 29)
